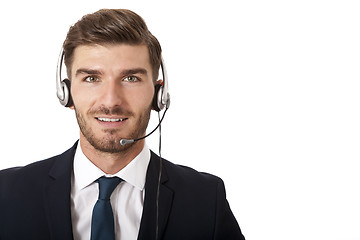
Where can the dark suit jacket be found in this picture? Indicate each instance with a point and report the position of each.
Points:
(35, 202)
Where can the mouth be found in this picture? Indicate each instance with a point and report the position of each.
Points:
(102, 119)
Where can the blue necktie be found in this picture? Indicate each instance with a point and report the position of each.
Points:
(102, 223)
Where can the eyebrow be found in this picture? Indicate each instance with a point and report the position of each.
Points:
(87, 71)
(142, 71)
(125, 72)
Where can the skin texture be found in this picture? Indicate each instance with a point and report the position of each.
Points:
(108, 83)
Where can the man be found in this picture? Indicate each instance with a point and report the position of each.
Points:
(112, 61)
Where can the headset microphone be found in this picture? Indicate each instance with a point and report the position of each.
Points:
(124, 141)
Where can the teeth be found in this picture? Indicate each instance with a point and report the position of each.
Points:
(111, 119)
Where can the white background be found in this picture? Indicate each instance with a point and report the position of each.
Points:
(265, 94)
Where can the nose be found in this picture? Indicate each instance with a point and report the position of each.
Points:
(111, 94)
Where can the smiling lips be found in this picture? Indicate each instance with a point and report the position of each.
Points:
(111, 122)
(111, 119)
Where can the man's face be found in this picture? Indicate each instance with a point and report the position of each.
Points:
(112, 90)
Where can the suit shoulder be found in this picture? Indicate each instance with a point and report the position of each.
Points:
(30, 173)
(187, 175)
(25, 173)
(38, 165)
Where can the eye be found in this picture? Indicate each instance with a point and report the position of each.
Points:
(131, 79)
(91, 79)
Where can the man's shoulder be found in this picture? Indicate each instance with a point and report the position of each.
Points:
(23, 178)
(189, 178)
(30, 173)
(187, 172)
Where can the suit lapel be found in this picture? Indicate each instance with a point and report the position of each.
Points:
(148, 221)
(57, 196)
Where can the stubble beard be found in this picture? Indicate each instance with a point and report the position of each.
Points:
(110, 143)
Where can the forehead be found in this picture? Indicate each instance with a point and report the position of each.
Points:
(112, 57)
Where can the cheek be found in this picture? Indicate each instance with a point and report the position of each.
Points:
(82, 100)
(141, 99)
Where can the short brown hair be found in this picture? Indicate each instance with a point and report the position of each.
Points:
(112, 26)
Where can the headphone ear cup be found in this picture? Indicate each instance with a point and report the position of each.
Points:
(157, 98)
(67, 90)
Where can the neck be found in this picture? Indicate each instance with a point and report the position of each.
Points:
(111, 163)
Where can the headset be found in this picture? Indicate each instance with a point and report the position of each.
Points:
(160, 101)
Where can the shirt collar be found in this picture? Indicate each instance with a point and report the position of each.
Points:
(85, 172)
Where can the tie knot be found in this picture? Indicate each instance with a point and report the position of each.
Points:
(107, 186)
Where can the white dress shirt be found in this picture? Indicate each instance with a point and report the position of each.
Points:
(127, 199)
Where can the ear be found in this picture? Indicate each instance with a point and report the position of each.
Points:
(160, 81)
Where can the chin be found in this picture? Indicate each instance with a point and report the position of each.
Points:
(109, 146)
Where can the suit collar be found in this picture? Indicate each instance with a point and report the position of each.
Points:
(57, 195)
(148, 221)
(63, 163)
